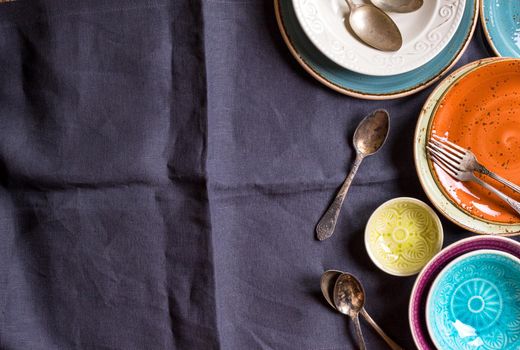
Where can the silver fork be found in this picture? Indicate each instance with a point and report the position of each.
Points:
(466, 160)
(450, 166)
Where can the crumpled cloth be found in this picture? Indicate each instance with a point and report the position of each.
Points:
(163, 165)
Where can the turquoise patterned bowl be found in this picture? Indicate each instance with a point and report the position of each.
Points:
(474, 303)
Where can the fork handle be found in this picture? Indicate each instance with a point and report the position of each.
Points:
(483, 170)
(514, 204)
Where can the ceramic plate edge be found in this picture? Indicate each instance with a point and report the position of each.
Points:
(434, 110)
(419, 145)
(397, 94)
(299, 14)
(485, 29)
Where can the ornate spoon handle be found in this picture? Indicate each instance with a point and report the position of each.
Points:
(514, 204)
(483, 170)
(327, 223)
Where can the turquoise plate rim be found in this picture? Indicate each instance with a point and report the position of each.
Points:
(372, 87)
(493, 35)
(444, 271)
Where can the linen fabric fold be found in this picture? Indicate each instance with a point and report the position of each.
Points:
(162, 168)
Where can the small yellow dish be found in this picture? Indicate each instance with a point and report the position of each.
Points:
(402, 235)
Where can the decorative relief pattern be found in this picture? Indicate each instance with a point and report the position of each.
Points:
(349, 53)
(476, 304)
(436, 35)
(435, 266)
(403, 237)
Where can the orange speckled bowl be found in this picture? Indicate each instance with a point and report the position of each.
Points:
(481, 112)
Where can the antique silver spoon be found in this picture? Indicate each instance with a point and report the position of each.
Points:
(369, 136)
(374, 27)
(401, 6)
(349, 299)
(327, 283)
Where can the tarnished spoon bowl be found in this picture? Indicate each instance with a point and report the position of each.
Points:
(327, 283)
(369, 137)
(374, 27)
(401, 6)
(349, 299)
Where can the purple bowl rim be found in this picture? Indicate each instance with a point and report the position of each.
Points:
(427, 275)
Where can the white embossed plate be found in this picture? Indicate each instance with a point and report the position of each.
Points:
(425, 33)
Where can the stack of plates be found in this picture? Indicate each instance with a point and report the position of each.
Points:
(477, 107)
(468, 297)
(434, 37)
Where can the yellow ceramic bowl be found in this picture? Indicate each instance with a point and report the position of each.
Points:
(402, 235)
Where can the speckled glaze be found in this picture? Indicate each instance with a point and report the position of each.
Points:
(365, 86)
(481, 112)
(443, 202)
(474, 303)
(501, 23)
(402, 235)
(416, 314)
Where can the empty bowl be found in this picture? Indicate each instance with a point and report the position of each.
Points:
(402, 235)
(475, 302)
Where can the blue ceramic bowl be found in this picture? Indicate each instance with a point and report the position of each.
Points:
(501, 23)
(474, 303)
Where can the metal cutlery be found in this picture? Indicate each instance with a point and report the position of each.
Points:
(374, 27)
(466, 161)
(349, 299)
(447, 163)
(328, 283)
(369, 137)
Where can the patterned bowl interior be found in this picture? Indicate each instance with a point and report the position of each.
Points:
(402, 235)
(475, 302)
(422, 285)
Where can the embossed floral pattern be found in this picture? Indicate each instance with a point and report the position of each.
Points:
(425, 279)
(402, 237)
(341, 47)
(475, 303)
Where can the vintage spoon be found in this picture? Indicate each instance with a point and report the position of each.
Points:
(374, 27)
(327, 283)
(401, 6)
(349, 299)
(369, 136)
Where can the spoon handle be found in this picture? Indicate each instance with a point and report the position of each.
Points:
(483, 170)
(393, 345)
(514, 204)
(359, 334)
(327, 223)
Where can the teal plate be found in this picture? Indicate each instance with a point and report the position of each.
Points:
(501, 23)
(474, 303)
(366, 86)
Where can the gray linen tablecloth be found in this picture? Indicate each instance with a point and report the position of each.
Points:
(162, 169)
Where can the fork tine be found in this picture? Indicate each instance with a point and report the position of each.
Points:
(453, 169)
(448, 148)
(455, 162)
(454, 145)
(443, 166)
